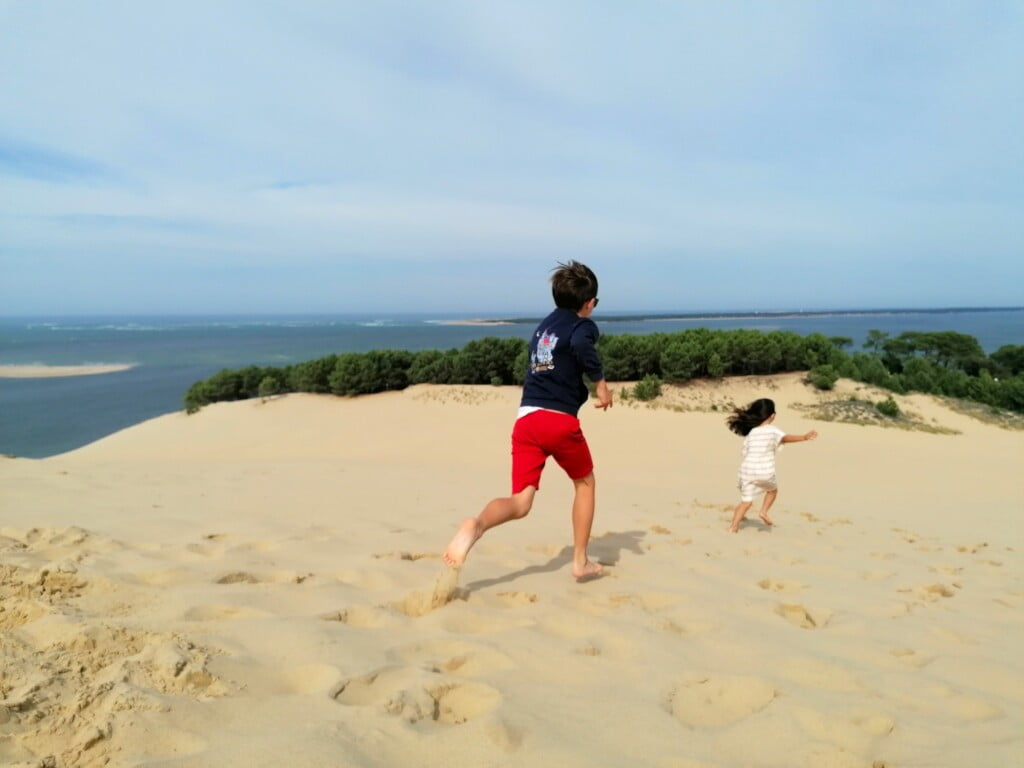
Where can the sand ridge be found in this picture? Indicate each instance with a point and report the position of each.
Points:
(260, 584)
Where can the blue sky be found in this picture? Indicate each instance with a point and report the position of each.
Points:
(443, 156)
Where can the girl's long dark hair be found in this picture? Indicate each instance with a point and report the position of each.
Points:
(745, 419)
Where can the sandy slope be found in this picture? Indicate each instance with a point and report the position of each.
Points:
(259, 585)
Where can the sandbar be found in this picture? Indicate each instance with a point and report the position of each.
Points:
(54, 371)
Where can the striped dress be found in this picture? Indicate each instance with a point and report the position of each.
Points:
(759, 448)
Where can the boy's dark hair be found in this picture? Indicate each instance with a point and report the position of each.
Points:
(745, 419)
(573, 285)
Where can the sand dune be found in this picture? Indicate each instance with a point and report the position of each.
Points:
(259, 584)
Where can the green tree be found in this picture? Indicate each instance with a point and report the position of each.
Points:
(627, 357)
(716, 366)
(483, 360)
(949, 349)
(818, 350)
(432, 366)
(876, 340)
(1010, 393)
(1009, 359)
(983, 388)
(647, 388)
(897, 351)
(888, 407)
(919, 375)
(871, 370)
(823, 376)
(311, 375)
(269, 386)
(681, 360)
(377, 371)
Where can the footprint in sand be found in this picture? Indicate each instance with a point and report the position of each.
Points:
(516, 599)
(931, 592)
(852, 738)
(972, 549)
(780, 586)
(419, 697)
(962, 706)
(715, 702)
(410, 556)
(238, 577)
(453, 658)
(72, 536)
(484, 623)
(73, 685)
(304, 679)
(801, 616)
(445, 590)
(683, 628)
(222, 613)
(911, 657)
(9, 544)
(255, 546)
(414, 605)
(361, 617)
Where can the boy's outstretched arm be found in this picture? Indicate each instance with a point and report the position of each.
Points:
(604, 395)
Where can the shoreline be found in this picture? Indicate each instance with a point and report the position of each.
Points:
(39, 371)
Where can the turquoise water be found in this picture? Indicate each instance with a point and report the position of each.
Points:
(43, 417)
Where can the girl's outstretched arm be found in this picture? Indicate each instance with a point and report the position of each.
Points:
(799, 438)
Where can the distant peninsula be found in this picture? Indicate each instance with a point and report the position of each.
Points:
(743, 315)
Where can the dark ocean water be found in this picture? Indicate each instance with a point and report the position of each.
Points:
(44, 417)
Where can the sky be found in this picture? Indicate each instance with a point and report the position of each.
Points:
(265, 157)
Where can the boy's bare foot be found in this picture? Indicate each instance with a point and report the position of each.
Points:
(461, 543)
(588, 570)
(766, 520)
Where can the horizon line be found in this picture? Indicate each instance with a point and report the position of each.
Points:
(626, 314)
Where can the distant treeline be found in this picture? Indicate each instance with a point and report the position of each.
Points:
(942, 362)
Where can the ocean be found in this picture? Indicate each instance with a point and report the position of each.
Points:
(45, 417)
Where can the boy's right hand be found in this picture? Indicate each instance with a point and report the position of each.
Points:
(604, 396)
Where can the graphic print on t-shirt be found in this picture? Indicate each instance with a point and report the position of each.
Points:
(543, 359)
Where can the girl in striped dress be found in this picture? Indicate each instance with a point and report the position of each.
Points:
(757, 470)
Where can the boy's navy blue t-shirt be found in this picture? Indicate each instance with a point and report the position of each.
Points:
(562, 349)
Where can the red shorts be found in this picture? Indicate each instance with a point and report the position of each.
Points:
(547, 433)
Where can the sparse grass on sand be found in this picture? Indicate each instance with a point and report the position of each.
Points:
(850, 403)
(984, 413)
(866, 413)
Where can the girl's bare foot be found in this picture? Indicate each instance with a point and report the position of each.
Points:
(586, 571)
(733, 528)
(464, 539)
(766, 520)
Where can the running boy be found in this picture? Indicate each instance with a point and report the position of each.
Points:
(561, 351)
(757, 470)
